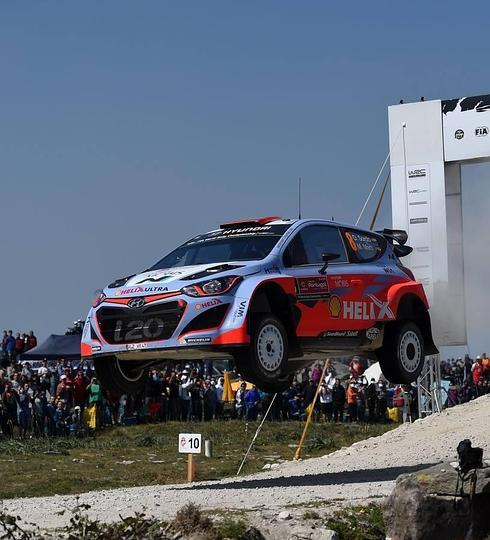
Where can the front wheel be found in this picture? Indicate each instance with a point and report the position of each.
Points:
(264, 363)
(402, 356)
(120, 377)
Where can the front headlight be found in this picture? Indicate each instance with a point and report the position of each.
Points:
(212, 287)
(99, 297)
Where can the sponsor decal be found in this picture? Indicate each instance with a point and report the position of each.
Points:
(339, 282)
(272, 270)
(197, 340)
(140, 290)
(361, 310)
(209, 303)
(417, 173)
(459, 134)
(240, 310)
(373, 333)
(335, 306)
(415, 221)
(96, 348)
(340, 334)
(481, 131)
(312, 288)
(136, 346)
(136, 303)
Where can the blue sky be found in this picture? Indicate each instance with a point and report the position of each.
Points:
(128, 127)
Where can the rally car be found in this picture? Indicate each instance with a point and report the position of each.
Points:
(271, 293)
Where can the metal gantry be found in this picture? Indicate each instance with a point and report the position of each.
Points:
(429, 386)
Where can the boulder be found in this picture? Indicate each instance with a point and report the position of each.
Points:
(425, 506)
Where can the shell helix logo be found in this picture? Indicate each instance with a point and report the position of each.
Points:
(335, 305)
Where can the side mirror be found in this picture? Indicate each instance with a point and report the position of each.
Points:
(326, 258)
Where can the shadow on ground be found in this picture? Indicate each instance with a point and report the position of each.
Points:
(322, 479)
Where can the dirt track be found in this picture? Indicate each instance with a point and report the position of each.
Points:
(365, 470)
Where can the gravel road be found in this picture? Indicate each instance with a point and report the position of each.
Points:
(365, 470)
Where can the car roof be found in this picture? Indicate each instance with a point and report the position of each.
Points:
(286, 221)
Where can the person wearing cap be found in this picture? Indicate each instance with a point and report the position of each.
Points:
(64, 391)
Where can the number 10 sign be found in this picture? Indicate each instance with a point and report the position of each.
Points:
(189, 443)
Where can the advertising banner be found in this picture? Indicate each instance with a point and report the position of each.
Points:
(466, 128)
(419, 223)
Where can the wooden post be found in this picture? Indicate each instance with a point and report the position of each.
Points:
(191, 469)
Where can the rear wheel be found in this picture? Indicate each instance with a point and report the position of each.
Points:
(264, 363)
(402, 356)
(121, 377)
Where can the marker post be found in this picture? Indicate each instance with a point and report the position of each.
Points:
(190, 444)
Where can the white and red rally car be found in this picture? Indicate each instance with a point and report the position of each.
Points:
(271, 293)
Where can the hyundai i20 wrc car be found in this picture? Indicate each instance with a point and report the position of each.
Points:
(273, 294)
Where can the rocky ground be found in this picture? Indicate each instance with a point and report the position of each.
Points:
(363, 472)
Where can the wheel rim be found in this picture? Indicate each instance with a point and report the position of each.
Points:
(127, 373)
(270, 348)
(410, 351)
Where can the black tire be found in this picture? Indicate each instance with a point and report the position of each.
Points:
(264, 362)
(403, 354)
(120, 377)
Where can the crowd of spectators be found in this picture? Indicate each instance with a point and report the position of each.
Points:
(12, 347)
(466, 378)
(63, 398)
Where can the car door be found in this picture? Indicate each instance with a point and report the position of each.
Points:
(303, 260)
(367, 303)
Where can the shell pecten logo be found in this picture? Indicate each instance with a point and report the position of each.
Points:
(335, 305)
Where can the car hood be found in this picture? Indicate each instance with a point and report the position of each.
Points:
(171, 279)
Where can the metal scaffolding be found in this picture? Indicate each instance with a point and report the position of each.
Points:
(429, 386)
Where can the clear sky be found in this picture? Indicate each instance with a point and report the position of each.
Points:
(127, 127)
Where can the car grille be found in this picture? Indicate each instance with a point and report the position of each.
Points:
(148, 323)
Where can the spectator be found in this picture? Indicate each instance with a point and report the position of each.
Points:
(19, 345)
(185, 396)
(477, 370)
(381, 402)
(252, 399)
(371, 399)
(10, 347)
(79, 390)
(352, 392)
(338, 401)
(325, 400)
(210, 400)
(31, 341)
(240, 408)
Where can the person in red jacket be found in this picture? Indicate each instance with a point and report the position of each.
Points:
(80, 389)
(19, 344)
(477, 370)
(31, 340)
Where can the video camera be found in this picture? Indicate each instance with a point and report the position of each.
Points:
(469, 458)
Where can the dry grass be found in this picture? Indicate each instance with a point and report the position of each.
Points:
(147, 454)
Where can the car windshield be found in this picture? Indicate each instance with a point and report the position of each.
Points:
(240, 244)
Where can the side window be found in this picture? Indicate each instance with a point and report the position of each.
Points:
(308, 246)
(364, 247)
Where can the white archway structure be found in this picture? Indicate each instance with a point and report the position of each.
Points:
(429, 141)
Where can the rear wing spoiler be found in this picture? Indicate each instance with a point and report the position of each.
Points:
(400, 237)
